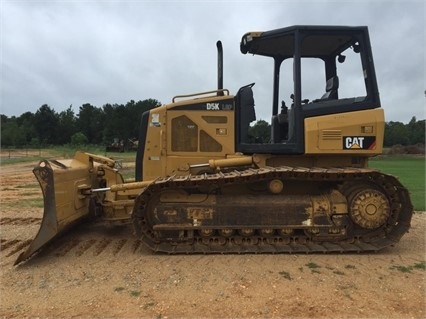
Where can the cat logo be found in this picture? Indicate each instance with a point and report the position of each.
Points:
(359, 142)
(354, 142)
(212, 106)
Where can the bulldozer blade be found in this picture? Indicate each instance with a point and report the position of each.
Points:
(64, 205)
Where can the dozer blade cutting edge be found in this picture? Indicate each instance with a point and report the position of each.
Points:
(60, 182)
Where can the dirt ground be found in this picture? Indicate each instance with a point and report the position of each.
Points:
(103, 271)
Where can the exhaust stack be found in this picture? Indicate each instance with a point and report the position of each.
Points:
(219, 67)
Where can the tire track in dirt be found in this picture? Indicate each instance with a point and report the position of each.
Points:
(81, 249)
(15, 246)
(66, 247)
(83, 240)
(101, 246)
(118, 246)
(19, 221)
(5, 244)
(77, 246)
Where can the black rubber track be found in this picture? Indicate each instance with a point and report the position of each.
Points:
(390, 233)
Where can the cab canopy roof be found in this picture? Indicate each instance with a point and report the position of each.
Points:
(316, 41)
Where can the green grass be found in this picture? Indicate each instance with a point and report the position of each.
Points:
(408, 269)
(69, 151)
(420, 265)
(350, 267)
(285, 274)
(411, 172)
(65, 151)
(312, 265)
(26, 159)
(31, 186)
(25, 202)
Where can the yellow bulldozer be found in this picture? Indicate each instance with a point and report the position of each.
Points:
(202, 185)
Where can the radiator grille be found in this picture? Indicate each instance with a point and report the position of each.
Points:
(331, 135)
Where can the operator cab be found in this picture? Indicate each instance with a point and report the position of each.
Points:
(318, 70)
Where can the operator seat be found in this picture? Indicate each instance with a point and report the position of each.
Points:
(245, 101)
(331, 88)
(280, 124)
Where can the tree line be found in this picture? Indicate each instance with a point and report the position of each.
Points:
(101, 125)
(397, 133)
(91, 125)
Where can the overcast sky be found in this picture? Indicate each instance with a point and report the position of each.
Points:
(64, 53)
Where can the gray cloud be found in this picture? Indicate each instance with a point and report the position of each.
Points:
(75, 52)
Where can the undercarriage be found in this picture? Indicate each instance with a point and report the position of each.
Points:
(273, 210)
